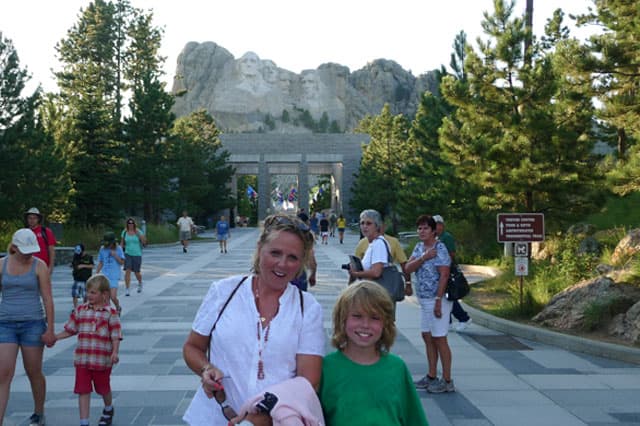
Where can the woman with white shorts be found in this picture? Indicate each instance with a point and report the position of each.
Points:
(431, 262)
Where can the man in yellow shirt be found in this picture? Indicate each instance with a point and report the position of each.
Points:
(397, 254)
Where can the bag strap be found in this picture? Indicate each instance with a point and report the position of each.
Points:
(226, 303)
(386, 245)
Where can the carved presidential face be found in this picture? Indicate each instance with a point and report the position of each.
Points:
(249, 64)
(269, 72)
(310, 82)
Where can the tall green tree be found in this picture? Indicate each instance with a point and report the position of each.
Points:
(519, 132)
(611, 57)
(90, 86)
(32, 169)
(200, 166)
(380, 177)
(145, 171)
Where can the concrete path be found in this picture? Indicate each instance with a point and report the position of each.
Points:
(500, 380)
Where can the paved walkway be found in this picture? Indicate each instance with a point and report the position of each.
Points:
(500, 380)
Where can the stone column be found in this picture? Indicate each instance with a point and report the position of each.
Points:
(303, 184)
(336, 188)
(264, 188)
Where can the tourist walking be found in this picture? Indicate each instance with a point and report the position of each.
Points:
(342, 225)
(82, 268)
(222, 229)
(99, 332)
(25, 287)
(110, 258)
(185, 228)
(132, 241)
(46, 239)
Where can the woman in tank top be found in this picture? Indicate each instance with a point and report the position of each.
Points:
(25, 285)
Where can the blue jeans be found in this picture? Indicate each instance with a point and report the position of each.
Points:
(459, 313)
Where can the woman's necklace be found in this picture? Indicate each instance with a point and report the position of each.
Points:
(262, 341)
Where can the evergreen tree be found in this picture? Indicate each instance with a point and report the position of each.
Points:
(32, 166)
(520, 132)
(200, 165)
(146, 170)
(381, 176)
(611, 58)
(89, 87)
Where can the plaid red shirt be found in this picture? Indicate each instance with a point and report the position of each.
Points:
(96, 329)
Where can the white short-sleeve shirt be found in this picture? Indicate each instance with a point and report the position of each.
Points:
(376, 253)
(234, 343)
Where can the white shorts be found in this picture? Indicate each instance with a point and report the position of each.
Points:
(438, 327)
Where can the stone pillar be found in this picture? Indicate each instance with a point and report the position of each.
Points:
(234, 192)
(303, 184)
(264, 188)
(336, 188)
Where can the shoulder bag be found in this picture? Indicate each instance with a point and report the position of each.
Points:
(458, 286)
(391, 279)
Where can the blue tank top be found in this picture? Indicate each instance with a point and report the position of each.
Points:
(20, 295)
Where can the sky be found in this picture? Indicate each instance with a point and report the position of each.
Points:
(295, 34)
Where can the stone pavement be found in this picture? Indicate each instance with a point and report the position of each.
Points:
(499, 379)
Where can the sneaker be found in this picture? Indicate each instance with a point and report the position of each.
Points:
(424, 382)
(36, 420)
(462, 326)
(139, 288)
(126, 292)
(184, 249)
(441, 386)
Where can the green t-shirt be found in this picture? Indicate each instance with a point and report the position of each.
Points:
(382, 394)
(448, 240)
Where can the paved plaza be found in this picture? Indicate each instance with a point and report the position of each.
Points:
(499, 379)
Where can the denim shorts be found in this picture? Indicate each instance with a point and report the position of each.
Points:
(23, 333)
(77, 290)
(132, 263)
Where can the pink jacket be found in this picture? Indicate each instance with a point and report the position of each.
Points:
(298, 404)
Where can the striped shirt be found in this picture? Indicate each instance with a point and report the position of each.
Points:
(96, 329)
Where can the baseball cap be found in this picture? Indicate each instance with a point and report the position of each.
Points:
(26, 242)
(108, 238)
(438, 218)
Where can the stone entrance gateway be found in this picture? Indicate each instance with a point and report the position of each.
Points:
(302, 155)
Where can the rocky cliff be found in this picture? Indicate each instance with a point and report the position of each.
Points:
(250, 94)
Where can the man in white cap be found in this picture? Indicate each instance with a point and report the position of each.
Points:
(46, 239)
(457, 311)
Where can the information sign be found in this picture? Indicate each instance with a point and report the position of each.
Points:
(520, 227)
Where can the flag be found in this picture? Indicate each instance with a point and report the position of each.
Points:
(251, 193)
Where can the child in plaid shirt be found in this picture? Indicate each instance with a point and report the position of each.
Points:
(97, 325)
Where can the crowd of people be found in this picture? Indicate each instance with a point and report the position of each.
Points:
(273, 323)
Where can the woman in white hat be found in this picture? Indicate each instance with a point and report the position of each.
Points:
(25, 285)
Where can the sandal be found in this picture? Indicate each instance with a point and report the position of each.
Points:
(106, 418)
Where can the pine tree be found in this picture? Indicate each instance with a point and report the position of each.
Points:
(146, 172)
(381, 176)
(518, 132)
(200, 165)
(90, 86)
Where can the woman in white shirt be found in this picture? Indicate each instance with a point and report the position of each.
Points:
(260, 329)
(377, 256)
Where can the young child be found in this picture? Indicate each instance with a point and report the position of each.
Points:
(82, 265)
(98, 328)
(362, 378)
(110, 258)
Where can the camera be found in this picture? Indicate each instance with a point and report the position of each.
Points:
(345, 266)
(268, 402)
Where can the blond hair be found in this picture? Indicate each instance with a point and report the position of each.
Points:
(371, 298)
(273, 226)
(98, 282)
